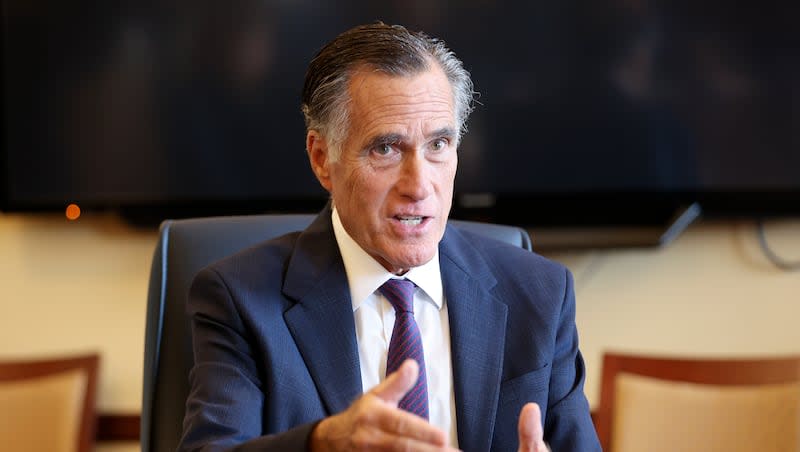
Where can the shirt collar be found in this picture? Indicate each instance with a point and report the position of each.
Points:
(365, 275)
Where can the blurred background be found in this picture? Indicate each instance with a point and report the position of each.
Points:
(175, 108)
(601, 119)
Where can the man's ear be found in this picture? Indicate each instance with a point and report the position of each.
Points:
(317, 148)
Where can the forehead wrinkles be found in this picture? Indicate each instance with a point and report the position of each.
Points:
(383, 101)
(408, 114)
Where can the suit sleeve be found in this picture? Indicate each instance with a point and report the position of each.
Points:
(568, 424)
(224, 408)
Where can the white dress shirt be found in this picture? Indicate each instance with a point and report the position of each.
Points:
(374, 319)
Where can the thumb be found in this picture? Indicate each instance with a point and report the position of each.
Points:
(530, 429)
(398, 383)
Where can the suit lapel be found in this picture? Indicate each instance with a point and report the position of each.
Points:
(477, 331)
(322, 320)
(323, 327)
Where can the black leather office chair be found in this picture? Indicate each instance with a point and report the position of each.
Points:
(184, 247)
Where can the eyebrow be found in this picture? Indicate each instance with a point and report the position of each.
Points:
(392, 138)
(444, 132)
(386, 138)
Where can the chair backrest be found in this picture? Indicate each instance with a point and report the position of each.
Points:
(693, 404)
(48, 405)
(184, 247)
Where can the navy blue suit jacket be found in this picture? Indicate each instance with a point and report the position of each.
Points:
(275, 344)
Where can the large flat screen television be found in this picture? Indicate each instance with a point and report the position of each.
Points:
(590, 111)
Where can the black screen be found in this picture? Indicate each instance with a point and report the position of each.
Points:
(583, 103)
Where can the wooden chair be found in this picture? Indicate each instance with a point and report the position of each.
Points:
(691, 404)
(48, 405)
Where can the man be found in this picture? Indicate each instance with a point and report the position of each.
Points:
(297, 341)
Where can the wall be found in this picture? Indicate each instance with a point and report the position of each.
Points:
(75, 286)
(711, 292)
(72, 287)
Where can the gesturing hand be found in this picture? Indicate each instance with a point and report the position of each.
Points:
(373, 422)
(531, 436)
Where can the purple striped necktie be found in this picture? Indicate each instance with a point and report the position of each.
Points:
(406, 343)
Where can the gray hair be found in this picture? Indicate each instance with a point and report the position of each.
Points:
(390, 49)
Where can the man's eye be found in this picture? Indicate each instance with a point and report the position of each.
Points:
(383, 149)
(439, 144)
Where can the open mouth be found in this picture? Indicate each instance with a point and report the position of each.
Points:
(410, 220)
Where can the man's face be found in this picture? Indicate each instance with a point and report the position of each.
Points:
(393, 184)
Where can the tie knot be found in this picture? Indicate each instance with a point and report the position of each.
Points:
(400, 293)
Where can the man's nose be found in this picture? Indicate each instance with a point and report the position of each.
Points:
(415, 178)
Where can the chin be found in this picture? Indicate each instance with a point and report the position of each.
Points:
(415, 259)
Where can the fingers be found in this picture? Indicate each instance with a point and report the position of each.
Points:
(402, 423)
(398, 383)
(382, 441)
(531, 435)
(373, 422)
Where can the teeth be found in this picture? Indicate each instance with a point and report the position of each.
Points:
(410, 221)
